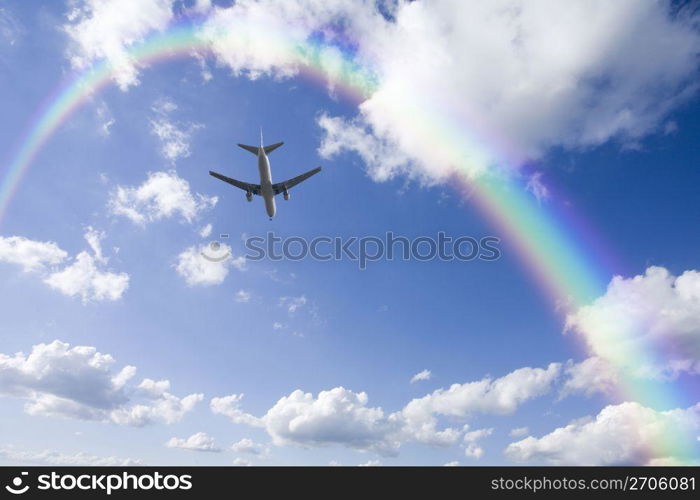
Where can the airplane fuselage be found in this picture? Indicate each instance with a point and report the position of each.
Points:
(266, 190)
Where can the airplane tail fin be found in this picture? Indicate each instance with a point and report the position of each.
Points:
(255, 150)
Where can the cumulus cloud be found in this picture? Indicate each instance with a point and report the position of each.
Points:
(491, 65)
(198, 270)
(79, 382)
(174, 136)
(248, 446)
(163, 194)
(337, 416)
(82, 278)
(623, 434)
(501, 396)
(382, 159)
(31, 255)
(342, 417)
(199, 441)
(589, 376)
(104, 29)
(471, 442)
(242, 296)
(423, 375)
(52, 457)
(230, 406)
(654, 312)
(499, 82)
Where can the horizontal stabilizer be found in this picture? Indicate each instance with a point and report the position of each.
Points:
(272, 147)
(255, 150)
(252, 149)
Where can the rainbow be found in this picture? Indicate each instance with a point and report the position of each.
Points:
(546, 242)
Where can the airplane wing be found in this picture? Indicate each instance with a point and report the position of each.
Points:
(252, 188)
(290, 183)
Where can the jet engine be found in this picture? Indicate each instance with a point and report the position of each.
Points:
(286, 194)
(249, 196)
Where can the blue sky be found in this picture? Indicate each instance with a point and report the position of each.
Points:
(483, 325)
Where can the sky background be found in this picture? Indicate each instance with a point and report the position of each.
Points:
(267, 329)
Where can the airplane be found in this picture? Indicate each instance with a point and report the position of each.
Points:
(266, 188)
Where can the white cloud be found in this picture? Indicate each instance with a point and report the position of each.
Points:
(423, 375)
(654, 309)
(515, 78)
(167, 409)
(248, 446)
(198, 270)
(104, 29)
(199, 441)
(344, 418)
(471, 439)
(336, 417)
(79, 382)
(153, 388)
(205, 231)
(242, 462)
(623, 434)
(591, 375)
(230, 406)
(174, 136)
(452, 464)
(242, 296)
(277, 325)
(382, 159)
(500, 396)
(474, 436)
(163, 194)
(82, 278)
(175, 141)
(293, 304)
(519, 431)
(51, 457)
(94, 239)
(30, 254)
(105, 119)
(164, 106)
(473, 450)
(504, 80)
(371, 463)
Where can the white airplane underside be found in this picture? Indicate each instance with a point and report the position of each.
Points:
(266, 188)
